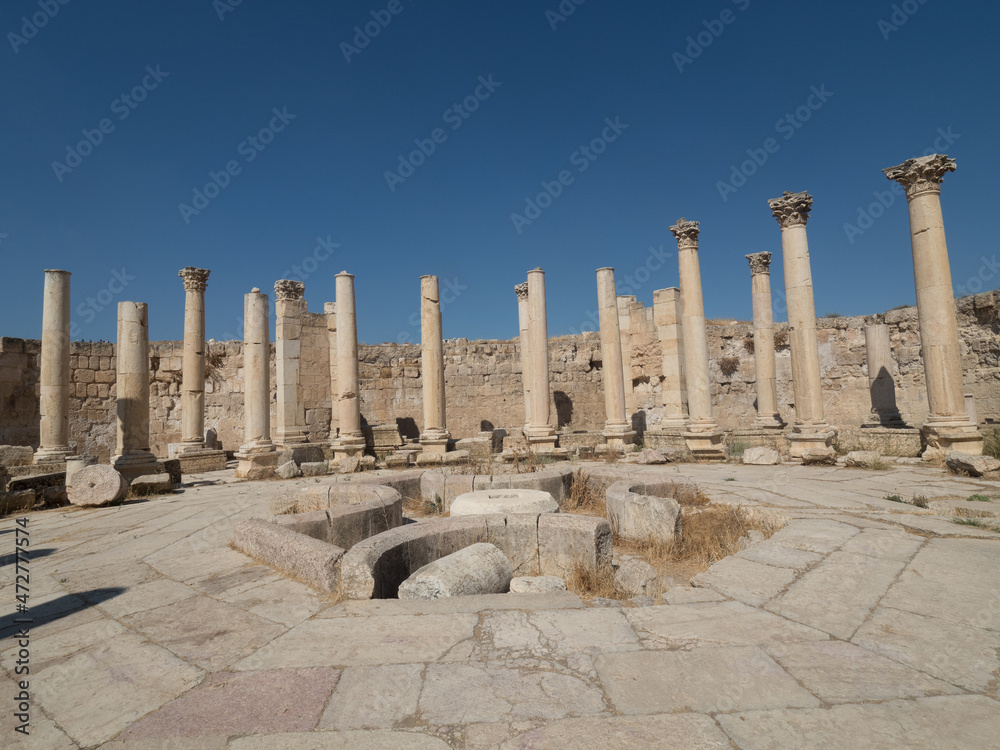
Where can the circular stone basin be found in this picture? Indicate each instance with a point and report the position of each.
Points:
(503, 501)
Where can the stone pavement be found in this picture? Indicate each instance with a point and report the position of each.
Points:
(863, 623)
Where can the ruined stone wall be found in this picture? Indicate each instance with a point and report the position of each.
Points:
(483, 379)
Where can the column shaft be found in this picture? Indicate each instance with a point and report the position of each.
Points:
(132, 453)
(435, 433)
(540, 432)
(882, 385)
(54, 365)
(193, 387)
(763, 341)
(616, 426)
(256, 374)
(668, 320)
(351, 441)
(524, 341)
(289, 307)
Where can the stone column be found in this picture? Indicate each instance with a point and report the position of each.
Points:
(948, 427)
(54, 377)
(810, 431)
(435, 436)
(258, 455)
(763, 342)
(289, 307)
(617, 432)
(539, 432)
(625, 305)
(523, 339)
(330, 310)
(132, 456)
(350, 442)
(668, 320)
(703, 437)
(882, 386)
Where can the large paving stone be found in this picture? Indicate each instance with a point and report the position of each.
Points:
(840, 672)
(374, 697)
(379, 640)
(454, 604)
(959, 654)
(778, 556)
(970, 722)
(691, 595)
(839, 594)
(688, 731)
(721, 624)
(237, 703)
(706, 680)
(203, 631)
(893, 545)
(749, 582)
(465, 693)
(822, 537)
(356, 740)
(147, 596)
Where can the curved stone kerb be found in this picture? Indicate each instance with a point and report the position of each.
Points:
(344, 524)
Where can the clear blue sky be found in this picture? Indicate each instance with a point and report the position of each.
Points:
(220, 70)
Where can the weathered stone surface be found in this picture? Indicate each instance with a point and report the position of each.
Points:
(455, 458)
(372, 510)
(761, 456)
(503, 502)
(706, 680)
(565, 541)
(749, 582)
(821, 537)
(477, 569)
(650, 457)
(97, 485)
(637, 578)
(314, 562)
(771, 553)
(536, 584)
(968, 721)
(16, 455)
(151, 484)
(636, 512)
(315, 469)
(374, 697)
(691, 595)
(974, 466)
(351, 740)
(288, 470)
(14, 502)
(664, 732)
(862, 459)
(819, 458)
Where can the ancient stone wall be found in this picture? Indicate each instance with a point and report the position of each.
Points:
(483, 379)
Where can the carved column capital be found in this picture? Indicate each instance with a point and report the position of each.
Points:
(289, 291)
(522, 290)
(791, 209)
(759, 263)
(922, 175)
(686, 233)
(195, 279)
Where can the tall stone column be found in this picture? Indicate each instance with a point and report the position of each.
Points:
(668, 320)
(882, 386)
(258, 455)
(703, 437)
(54, 377)
(617, 432)
(948, 427)
(541, 435)
(289, 307)
(763, 342)
(132, 455)
(435, 436)
(810, 431)
(625, 305)
(351, 441)
(523, 339)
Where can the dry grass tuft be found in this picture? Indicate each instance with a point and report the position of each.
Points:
(585, 498)
(588, 582)
(416, 507)
(729, 365)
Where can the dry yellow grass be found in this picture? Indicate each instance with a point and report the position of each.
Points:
(585, 498)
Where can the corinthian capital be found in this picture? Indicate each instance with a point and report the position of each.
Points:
(522, 290)
(922, 175)
(759, 263)
(791, 209)
(289, 291)
(686, 232)
(195, 279)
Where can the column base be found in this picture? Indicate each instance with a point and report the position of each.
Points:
(618, 435)
(665, 436)
(348, 446)
(291, 439)
(705, 442)
(137, 464)
(956, 434)
(435, 442)
(52, 455)
(768, 422)
(541, 438)
(257, 464)
(195, 458)
(816, 438)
